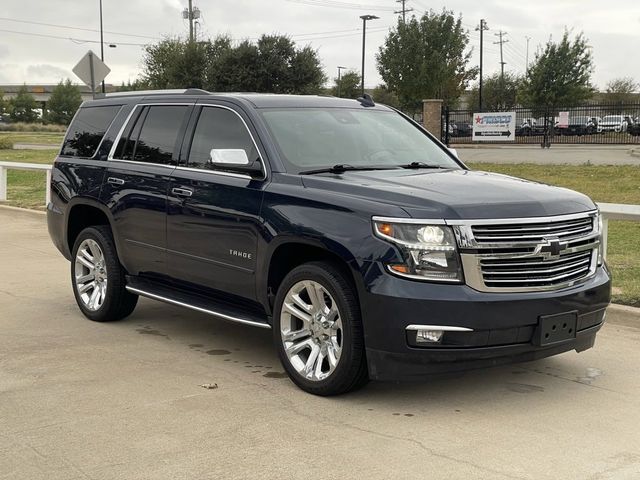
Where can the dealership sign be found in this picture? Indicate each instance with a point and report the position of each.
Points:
(494, 127)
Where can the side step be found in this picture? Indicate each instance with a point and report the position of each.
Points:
(196, 302)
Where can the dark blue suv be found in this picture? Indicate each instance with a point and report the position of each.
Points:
(367, 247)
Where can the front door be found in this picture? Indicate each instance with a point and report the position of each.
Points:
(213, 217)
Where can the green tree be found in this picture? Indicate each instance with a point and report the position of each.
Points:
(173, 63)
(22, 108)
(3, 103)
(349, 85)
(560, 75)
(426, 58)
(273, 64)
(495, 94)
(65, 100)
(382, 94)
(621, 90)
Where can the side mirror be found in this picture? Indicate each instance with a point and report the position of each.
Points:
(234, 160)
(454, 152)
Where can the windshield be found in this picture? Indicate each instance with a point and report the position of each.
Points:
(612, 118)
(316, 138)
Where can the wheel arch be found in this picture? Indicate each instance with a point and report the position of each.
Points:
(288, 253)
(83, 212)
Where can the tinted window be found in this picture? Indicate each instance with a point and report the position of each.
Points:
(87, 129)
(152, 134)
(219, 128)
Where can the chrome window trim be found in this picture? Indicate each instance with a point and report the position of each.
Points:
(444, 328)
(221, 173)
(112, 152)
(162, 165)
(253, 140)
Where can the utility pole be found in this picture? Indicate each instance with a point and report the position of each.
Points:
(101, 44)
(528, 38)
(481, 28)
(365, 18)
(340, 80)
(404, 10)
(501, 42)
(192, 13)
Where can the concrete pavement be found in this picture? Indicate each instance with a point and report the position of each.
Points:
(556, 155)
(83, 400)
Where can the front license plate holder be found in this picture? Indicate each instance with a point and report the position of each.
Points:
(556, 328)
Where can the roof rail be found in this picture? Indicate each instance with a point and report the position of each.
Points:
(178, 91)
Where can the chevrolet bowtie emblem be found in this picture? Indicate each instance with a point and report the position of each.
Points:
(550, 247)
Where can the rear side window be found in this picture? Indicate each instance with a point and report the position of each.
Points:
(219, 128)
(87, 129)
(152, 134)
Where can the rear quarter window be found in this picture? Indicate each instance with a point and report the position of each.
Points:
(87, 129)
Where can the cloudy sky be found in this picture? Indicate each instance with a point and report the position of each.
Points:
(35, 48)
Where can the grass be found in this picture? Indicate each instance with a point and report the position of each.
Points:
(40, 138)
(613, 184)
(26, 189)
(608, 183)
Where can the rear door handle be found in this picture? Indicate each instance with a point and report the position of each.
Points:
(181, 192)
(115, 181)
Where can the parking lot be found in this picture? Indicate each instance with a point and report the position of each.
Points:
(126, 400)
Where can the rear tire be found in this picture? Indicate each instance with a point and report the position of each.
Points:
(317, 330)
(97, 277)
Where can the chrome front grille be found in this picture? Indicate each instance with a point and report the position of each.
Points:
(535, 271)
(518, 255)
(532, 232)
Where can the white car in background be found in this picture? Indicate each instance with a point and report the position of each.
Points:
(614, 123)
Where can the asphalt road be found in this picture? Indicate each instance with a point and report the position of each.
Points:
(82, 400)
(556, 155)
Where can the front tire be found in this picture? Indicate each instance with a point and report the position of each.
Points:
(97, 277)
(318, 330)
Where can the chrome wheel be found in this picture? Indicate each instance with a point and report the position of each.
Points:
(311, 330)
(91, 274)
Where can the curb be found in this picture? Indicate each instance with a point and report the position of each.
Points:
(624, 309)
(23, 210)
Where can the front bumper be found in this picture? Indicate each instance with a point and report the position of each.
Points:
(502, 325)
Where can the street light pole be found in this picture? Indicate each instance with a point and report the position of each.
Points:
(340, 80)
(365, 18)
(101, 43)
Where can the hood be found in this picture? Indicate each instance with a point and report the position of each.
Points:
(454, 194)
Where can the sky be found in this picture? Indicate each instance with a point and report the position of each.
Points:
(35, 49)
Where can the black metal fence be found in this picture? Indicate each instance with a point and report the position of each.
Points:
(588, 124)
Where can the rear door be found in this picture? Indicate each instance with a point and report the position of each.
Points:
(213, 218)
(135, 186)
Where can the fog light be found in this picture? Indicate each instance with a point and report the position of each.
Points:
(429, 336)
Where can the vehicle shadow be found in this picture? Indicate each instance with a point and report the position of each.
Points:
(243, 345)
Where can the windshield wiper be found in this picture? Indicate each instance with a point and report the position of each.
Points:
(341, 168)
(418, 165)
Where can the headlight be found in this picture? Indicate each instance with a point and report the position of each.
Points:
(429, 251)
